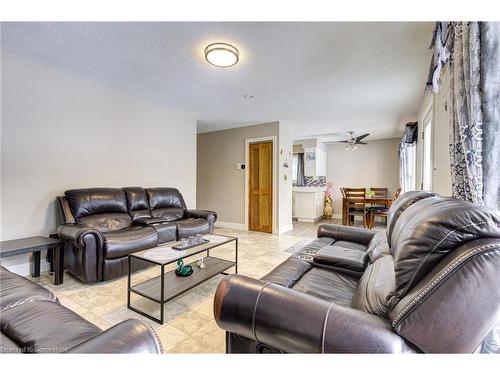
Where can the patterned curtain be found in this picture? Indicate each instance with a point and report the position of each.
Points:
(490, 95)
(466, 118)
(300, 170)
(472, 50)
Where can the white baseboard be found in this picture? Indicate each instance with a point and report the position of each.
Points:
(225, 224)
(308, 220)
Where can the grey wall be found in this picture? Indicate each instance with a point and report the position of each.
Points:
(220, 186)
(61, 132)
(373, 165)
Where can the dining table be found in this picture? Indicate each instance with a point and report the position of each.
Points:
(381, 201)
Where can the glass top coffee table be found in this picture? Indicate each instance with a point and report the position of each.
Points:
(168, 285)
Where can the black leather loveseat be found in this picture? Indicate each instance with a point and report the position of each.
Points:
(429, 283)
(33, 321)
(102, 226)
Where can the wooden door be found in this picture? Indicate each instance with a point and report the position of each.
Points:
(260, 212)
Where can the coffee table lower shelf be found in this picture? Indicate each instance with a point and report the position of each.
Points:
(172, 286)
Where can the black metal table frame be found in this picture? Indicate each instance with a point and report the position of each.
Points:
(162, 266)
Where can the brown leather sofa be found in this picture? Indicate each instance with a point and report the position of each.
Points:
(102, 226)
(33, 321)
(429, 283)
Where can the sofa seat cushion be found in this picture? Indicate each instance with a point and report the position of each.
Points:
(123, 242)
(342, 257)
(168, 213)
(16, 290)
(45, 327)
(106, 222)
(288, 272)
(191, 226)
(167, 231)
(327, 285)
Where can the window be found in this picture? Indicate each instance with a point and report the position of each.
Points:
(427, 157)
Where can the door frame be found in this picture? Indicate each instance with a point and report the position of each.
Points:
(273, 139)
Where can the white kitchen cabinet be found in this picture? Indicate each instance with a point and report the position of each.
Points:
(308, 203)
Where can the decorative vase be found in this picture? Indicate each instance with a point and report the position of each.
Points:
(328, 209)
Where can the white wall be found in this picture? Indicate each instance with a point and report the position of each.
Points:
(435, 107)
(372, 165)
(285, 178)
(61, 132)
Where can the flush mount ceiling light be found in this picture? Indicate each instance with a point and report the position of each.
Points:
(222, 55)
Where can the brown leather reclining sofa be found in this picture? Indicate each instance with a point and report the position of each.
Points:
(33, 321)
(429, 283)
(102, 226)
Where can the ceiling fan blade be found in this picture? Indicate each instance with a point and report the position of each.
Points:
(361, 137)
(342, 141)
(361, 143)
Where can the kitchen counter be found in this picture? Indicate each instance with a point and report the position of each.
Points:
(308, 189)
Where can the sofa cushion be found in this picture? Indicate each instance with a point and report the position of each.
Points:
(288, 272)
(166, 231)
(378, 247)
(123, 242)
(342, 257)
(191, 226)
(327, 285)
(400, 205)
(85, 202)
(168, 213)
(432, 228)
(164, 198)
(137, 202)
(45, 327)
(376, 287)
(106, 222)
(16, 290)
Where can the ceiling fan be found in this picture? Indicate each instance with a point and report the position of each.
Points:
(355, 140)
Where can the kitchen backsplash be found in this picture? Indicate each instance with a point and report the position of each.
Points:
(311, 181)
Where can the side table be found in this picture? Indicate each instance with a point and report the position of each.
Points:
(35, 245)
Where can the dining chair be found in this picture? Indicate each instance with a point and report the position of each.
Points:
(356, 204)
(379, 192)
(381, 211)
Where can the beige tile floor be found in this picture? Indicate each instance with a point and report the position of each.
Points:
(189, 324)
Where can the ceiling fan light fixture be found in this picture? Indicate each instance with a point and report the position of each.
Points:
(222, 55)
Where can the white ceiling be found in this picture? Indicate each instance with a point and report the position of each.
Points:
(318, 77)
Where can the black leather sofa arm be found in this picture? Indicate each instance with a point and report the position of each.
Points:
(76, 234)
(129, 336)
(294, 322)
(211, 216)
(344, 233)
